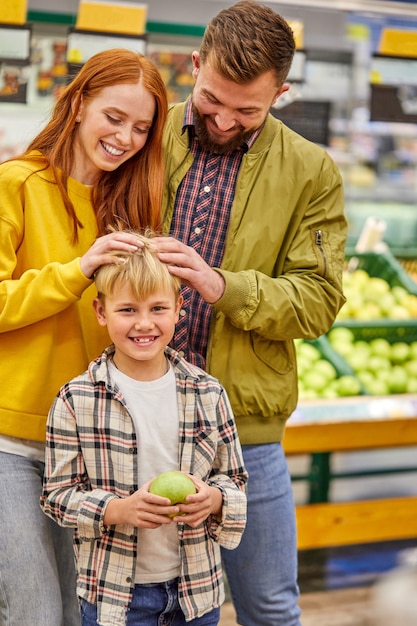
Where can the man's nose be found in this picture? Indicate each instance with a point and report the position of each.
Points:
(225, 120)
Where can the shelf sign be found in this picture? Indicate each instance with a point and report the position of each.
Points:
(393, 81)
(81, 44)
(13, 11)
(15, 43)
(128, 18)
(393, 70)
(398, 42)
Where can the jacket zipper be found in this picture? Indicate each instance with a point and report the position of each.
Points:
(319, 244)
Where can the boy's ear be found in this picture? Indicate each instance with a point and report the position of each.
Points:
(100, 312)
(178, 306)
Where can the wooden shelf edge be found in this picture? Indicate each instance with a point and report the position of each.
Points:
(347, 523)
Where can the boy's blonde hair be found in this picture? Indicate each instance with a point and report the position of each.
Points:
(140, 268)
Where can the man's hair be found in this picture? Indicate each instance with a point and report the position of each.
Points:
(141, 269)
(246, 40)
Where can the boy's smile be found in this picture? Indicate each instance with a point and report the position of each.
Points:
(140, 330)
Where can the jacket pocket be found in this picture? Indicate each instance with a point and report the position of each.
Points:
(279, 355)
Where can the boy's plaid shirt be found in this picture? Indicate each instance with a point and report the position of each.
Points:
(91, 458)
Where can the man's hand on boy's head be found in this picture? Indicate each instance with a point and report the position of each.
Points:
(190, 268)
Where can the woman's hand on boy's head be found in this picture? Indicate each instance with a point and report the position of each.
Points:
(207, 501)
(100, 253)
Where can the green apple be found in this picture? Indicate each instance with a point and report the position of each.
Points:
(399, 312)
(377, 387)
(398, 380)
(315, 380)
(413, 350)
(325, 368)
(173, 485)
(341, 334)
(308, 351)
(411, 385)
(411, 368)
(380, 347)
(378, 363)
(400, 352)
(348, 386)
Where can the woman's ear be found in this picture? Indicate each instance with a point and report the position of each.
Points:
(80, 105)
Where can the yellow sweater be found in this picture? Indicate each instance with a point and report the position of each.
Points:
(48, 329)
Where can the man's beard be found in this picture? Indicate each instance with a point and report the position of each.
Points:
(212, 146)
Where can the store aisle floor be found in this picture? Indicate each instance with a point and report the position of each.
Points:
(343, 607)
(337, 584)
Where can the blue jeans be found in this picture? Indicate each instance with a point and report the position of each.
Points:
(262, 570)
(153, 605)
(37, 571)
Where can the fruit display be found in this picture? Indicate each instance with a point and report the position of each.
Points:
(320, 376)
(371, 349)
(372, 298)
(383, 367)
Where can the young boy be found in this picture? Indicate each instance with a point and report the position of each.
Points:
(139, 410)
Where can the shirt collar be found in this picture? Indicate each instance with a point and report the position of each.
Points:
(188, 123)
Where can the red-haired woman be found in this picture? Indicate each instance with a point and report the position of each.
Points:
(98, 163)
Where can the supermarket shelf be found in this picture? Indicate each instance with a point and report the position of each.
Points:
(347, 523)
(322, 427)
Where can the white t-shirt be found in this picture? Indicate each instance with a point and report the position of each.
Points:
(154, 410)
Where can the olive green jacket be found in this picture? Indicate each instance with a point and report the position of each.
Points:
(282, 267)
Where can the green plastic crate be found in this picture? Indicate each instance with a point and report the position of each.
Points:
(386, 266)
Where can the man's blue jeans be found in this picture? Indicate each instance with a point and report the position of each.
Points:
(37, 571)
(262, 570)
(153, 605)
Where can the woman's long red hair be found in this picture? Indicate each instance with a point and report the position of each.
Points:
(131, 195)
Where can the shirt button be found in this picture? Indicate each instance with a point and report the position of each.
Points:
(183, 312)
(131, 450)
(181, 352)
(197, 230)
(207, 189)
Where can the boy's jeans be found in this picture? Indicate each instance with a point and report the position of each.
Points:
(153, 605)
(262, 570)
(36, 555)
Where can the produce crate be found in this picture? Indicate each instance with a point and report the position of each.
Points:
(386, 266)
(392, 334)
(328, 353)
(392, 330)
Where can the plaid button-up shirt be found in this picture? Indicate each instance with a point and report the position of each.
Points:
(89, 431)
(201, 218)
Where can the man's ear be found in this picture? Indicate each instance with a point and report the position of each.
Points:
(195, 57)
(100, 312)
(280, 91)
